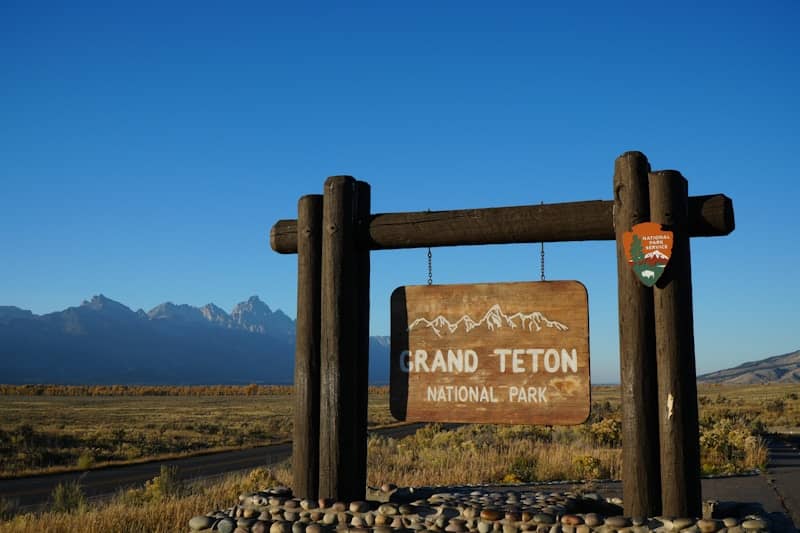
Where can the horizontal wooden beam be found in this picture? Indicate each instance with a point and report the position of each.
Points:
(709, 216)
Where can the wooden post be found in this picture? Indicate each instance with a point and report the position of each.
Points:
(641, 487)
(362, 365)
(338, 341)
(305, 442)
(677, 386)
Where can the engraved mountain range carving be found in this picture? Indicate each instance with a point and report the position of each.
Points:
(494, 319)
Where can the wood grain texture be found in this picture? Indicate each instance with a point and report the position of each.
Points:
(677, 386)
(338, 340)
(640, 456)
(362, 215)
(305, 442)
(514, 353)
(710, 215)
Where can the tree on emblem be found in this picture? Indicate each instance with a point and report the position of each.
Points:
(637, 251)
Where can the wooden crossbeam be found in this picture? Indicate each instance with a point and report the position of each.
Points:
(709, 216)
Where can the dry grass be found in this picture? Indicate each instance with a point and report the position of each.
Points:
(486, 453)
(58, 433)
(140, 512)
(731, 419)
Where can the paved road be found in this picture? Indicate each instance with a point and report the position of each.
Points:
(36, 490)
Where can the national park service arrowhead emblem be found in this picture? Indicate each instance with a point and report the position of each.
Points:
(648, 248)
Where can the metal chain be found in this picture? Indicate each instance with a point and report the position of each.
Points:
(541, 256)
(430, 267)
(430, 263)
(541, 261)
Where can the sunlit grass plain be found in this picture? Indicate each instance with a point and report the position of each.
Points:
(732, 420)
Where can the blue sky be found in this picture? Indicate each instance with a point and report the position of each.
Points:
(146, 148)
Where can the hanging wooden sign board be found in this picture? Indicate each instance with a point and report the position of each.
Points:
(515, 353)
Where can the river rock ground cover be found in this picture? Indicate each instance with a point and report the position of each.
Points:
(462, 510)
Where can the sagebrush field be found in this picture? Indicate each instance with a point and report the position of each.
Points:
(77, 428)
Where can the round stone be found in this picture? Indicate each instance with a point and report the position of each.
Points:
(484, 526)
(709, 526)
(490, 515)
(382, 520)
(316, 516)
(241, 530)
(754, 523)
(455, 526)
(298, 527)
(324, 503)
(291, 504)
(592, 519)
(226, 525)
(201, 522)
(618, 522)
(280, 526)
(513, 516)
(544, 519)
(571, 520)
(307, 504)
(682, 523)
(387, 509)
(730, 521)
(313, 528)
(388, 487)
(359, 507)
(339, 507)
(510, 528)
(245, 522)
(330, 519)
(290, 516)
(260, 527)
(583, 528)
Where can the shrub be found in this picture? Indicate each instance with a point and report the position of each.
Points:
(607, 432)
(165, 485)
(523, 468)
(8, 508)
(261, 478)
(68, 498)
(587, 467)
(86, 460)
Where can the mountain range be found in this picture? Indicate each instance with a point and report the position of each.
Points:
(103, 341)
(778, 369)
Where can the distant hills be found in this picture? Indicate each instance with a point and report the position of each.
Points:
(103, 341)
(779, 369)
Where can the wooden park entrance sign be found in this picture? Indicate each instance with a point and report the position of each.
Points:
(333, 236)
(516, 353)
